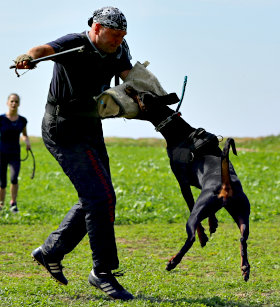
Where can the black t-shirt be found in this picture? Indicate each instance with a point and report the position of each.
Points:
(82, 75)
(9, 134)
(77, 78)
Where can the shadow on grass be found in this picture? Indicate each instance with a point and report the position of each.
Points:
(214, 301)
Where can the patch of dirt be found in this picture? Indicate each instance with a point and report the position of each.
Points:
(246, 149)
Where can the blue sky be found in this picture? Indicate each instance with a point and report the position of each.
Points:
(229, 49)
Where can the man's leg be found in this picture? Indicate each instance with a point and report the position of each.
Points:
(60, 242)
(95, 214)
(86, 167)
(66, 237)
(73, 227)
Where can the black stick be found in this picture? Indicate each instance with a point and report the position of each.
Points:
(49, 57)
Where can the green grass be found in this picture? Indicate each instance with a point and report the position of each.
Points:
(151, 216)
(146, 189)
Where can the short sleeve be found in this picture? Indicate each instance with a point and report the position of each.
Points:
(66, 42)
(23, 121)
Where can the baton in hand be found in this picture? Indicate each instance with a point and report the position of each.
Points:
(50, 57)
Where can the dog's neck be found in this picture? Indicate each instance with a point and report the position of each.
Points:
(176, 130)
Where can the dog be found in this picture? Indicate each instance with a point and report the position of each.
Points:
(197, 160)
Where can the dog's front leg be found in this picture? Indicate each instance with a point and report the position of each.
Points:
(188, 196)
(191, 227)
(203, 238)
(205, 205)
(178, 257)
(213, 223)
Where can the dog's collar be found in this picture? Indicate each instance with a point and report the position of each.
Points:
(167, 120)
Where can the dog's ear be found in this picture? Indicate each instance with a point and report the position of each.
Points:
(151, 99)
(168, 99)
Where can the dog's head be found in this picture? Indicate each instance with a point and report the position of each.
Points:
(149, 103)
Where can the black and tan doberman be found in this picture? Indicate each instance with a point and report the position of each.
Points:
(196, 160)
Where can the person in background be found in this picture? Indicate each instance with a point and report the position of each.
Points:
(11, 126)
(73, 134)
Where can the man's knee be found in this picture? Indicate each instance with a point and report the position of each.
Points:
(101, 206)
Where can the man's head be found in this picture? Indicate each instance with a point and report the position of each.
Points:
(108, 28)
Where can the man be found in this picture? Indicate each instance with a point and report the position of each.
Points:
(73, 135)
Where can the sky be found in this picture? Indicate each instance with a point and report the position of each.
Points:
(228, 49)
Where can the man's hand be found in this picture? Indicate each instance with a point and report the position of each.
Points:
(23, 62)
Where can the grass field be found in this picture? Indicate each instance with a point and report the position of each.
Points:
(150, 228)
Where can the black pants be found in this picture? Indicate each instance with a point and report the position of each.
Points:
(86, 163)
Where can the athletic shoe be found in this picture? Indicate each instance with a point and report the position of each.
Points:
(13, 207)
(54, 268)
(107, 283)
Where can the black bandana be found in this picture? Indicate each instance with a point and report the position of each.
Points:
(109, 17)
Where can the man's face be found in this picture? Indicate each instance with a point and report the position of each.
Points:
(108, 40)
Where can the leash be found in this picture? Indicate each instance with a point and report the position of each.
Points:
(48, 57)
(34, 164)
(176, 113)
(183, 93)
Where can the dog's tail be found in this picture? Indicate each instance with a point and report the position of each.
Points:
(226, 190)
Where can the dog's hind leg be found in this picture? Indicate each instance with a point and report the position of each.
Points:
(236, 203)
(240, 211)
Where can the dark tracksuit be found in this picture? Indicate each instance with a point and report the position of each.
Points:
(74, 137)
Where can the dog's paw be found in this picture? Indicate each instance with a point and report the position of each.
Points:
(171, 264)
(203, 239)
(213, 224)
(245, 269)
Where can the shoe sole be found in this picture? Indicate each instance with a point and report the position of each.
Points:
(39, 263)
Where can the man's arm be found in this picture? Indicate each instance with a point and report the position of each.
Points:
(124, 74)
(35, 53)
